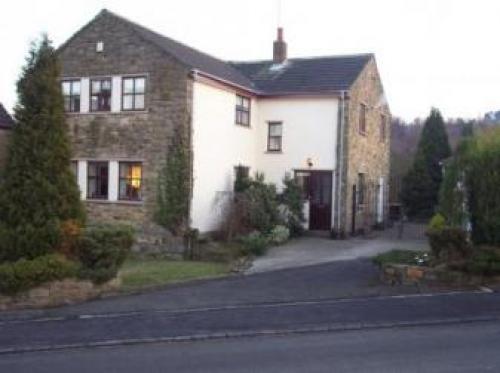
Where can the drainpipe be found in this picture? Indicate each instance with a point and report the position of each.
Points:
(340, 168)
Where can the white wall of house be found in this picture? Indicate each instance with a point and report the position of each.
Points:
(219, 145)
(309, 133)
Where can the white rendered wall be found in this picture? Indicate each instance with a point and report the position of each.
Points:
(218, 146)
(309, 132)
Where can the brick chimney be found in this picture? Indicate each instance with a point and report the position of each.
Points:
(279, 48)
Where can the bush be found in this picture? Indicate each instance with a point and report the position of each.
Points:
(449, 244)
(279, 234)
(485, 262)
(102, 251)
(437, 222)
(255, 243)
(482, 162)
(25, 274)
(261, 202)
(292, 199)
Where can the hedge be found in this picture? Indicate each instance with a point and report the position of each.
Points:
(25, 274)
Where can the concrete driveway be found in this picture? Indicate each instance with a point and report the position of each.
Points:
(315, 250)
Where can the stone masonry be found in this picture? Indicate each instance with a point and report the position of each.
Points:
(138, 136)
(365, 153)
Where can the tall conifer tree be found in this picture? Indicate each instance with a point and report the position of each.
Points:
(421, 185)
(39, 190)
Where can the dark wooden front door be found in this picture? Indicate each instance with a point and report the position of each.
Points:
(320, 199)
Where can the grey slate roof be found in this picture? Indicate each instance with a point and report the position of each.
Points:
(305, 75)
(296, 76)
(6, 120)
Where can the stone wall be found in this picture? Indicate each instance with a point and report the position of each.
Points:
(4, 139)
(365, 153)
(58, 293)
(140, 136)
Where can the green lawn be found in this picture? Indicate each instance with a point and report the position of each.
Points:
(143, 273)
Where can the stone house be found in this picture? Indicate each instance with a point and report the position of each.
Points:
(322, 120)
(6, 123)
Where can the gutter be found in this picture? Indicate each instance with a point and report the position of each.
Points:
(262, 94)
(196, 72)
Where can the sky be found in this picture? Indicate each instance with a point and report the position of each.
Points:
(441, 53)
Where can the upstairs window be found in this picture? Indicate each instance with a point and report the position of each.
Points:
(133, 92)
(130, 181)
(242, 110)
(383, 127)
(274, 137)
(362, 119)
(97, 180)
(71, 93)
(100, 94)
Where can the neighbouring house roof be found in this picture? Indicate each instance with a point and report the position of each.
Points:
(6, 120)
(296, 76)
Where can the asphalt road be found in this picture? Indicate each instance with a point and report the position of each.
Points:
(472, 347)
(258, 319)
(313, 315)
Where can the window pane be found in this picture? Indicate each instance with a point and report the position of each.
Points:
(66, 88)
(128, 102)
(139, 102)
(274, 143)
(75, 104)
(128, 85)
(244, 118)
(140, 84)
(92, 169)
(76, 88)
(96, 86)
(106, 85)
(246, 103)
(93, 103)
(124, 169)
(67, 103)
(275, 130)
(130, 181)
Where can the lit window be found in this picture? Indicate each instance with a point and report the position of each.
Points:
(71, 94)
(97, 180)
(242, 110)
(100, 94)
(130, 181)
(133, 92)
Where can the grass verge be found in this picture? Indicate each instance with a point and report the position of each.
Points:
(145, 273)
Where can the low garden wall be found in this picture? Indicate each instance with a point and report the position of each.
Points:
(405, 274)
(57, 293)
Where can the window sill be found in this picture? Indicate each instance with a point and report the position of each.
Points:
(243, 125)
(273, 152)
(118, 202)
